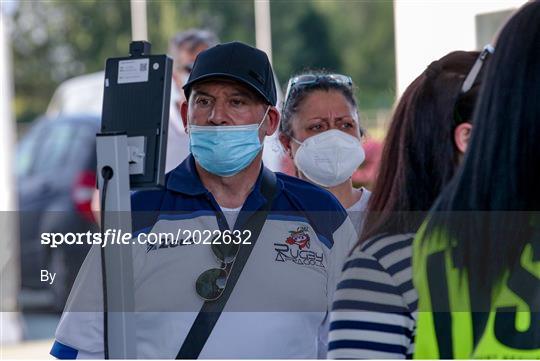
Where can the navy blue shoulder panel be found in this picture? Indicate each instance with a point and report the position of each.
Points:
(308, 196)
(297, 199)
(147, 205)
(150, 200)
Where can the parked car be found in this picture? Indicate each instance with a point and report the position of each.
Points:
(84, 93)
(56, 176)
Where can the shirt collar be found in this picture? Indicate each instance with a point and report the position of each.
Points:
(185, 179)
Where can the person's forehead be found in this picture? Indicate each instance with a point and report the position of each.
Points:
(321, 102)
(212, 85)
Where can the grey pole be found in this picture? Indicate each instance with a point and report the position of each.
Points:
(263, 27)
(10, 326)
(112, 151)
(139, 28)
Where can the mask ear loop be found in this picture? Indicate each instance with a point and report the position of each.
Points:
(297, 141)
(264, 117)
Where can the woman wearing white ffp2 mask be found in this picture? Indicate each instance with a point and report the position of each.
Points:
(321, 133)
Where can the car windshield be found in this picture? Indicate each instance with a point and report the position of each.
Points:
(55, 148)
(46, 148)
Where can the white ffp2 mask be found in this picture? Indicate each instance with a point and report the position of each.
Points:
(329, 158)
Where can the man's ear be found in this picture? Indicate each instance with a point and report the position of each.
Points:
(285, 141)
(183, 114)
(462, 134)
(272, 121)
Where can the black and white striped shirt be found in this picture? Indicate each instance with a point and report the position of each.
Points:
(374, 309)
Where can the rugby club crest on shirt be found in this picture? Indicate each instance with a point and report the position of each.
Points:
(296, 249)
(300, 237)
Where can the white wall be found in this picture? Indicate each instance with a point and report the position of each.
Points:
(426, 30)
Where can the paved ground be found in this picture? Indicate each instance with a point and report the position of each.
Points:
(27, 350)
(38, 331)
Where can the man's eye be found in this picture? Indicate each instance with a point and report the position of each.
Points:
(237, 102)
(203, 101)
(316, 127)
(347, 125)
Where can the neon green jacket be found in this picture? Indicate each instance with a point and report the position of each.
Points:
(510, 325)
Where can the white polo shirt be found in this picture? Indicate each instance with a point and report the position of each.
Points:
(278, 304)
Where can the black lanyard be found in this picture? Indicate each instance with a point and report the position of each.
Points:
(211, 310)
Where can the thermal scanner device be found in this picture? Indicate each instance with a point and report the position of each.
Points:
(131, 150)
(136, 102)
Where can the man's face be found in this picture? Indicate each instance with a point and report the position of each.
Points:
(224, 102)
(227, 102)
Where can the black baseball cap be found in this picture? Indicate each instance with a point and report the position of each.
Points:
(236, 61)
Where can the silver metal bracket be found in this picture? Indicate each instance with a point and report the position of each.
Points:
(136, 154)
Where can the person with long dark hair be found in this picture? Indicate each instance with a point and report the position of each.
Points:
(477, 259)
(374, 307)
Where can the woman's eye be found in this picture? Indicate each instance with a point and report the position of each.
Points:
(316, 127)
(347, 125)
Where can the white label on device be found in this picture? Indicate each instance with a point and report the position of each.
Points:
(133, 71)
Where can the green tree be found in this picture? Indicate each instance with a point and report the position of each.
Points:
(301, 39)
(364, 31)
(58, 39)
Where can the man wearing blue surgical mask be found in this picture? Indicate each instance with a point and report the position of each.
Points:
(253, 272)
(227, 122)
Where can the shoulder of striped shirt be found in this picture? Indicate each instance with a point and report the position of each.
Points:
(392, 255)
(389, 250)
(375, 244)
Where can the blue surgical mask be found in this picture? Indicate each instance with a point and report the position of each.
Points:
(225, 150)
